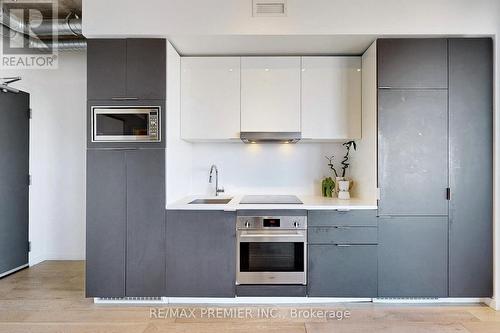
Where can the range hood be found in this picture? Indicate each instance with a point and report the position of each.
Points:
(270, 137)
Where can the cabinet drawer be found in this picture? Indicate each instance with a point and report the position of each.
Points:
(342, 271)
(342, 235)
(325, 218)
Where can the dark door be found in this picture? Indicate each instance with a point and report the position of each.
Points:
(471, 167)
(413, 152)
(145, 222)
(14, 171)
(106, 223)
(146, 68)
(106, 68)
(413, 257)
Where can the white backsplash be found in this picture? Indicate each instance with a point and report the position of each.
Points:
(264, 168)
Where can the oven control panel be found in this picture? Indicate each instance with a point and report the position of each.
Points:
(271, 222)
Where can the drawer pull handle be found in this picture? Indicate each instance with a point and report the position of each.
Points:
(124, 98)
(343, 245)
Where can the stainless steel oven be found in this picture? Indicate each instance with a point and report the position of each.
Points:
(271, 250)
(126, 124)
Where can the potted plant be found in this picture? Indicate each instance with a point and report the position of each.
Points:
(342, 183)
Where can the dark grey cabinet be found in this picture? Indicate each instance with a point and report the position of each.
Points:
(342, 270)
(342, 258)
(412, 152)
(145, 222)
(106, 224)
(126, 69)
(413, 257)
(412, 63)
(435, 131)
(471, 167)
(125, 223)
(146, 68)
(201, 253)
(106, 68)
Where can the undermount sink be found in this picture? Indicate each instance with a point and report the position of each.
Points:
(212, 201)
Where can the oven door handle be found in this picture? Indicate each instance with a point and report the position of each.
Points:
(298, 237)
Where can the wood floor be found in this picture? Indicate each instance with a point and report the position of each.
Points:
(49, 298)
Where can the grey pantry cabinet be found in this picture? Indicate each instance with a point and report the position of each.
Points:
(126, 69)
(125, 223)
(435, 167)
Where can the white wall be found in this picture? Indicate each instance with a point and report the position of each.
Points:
(178, 152)
(57, 157)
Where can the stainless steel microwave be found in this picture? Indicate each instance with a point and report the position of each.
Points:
(126, 124)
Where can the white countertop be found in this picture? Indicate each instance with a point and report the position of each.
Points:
(309, 203)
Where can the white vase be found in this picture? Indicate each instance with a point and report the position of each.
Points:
(343, 189)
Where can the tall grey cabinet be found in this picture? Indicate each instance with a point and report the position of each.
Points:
(435, 167)
(125, 223)
(471, 167)
(126, 180)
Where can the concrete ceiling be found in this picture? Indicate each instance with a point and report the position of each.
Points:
(271, 45)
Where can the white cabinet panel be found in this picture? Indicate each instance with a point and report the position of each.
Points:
(210, 98)
(331, 98)
(270, 94)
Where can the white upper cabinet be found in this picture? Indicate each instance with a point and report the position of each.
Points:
(270, 94)
(210, 98)
(331, 98)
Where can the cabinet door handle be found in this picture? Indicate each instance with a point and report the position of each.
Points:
(342, 227)
(343, 245)
(124, 98)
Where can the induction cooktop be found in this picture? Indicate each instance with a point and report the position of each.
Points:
(271, 199)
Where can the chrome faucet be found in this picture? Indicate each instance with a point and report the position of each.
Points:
(217, 189)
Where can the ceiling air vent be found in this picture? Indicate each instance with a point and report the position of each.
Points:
(269, 8)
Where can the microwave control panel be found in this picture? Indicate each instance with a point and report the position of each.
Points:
(153, 125)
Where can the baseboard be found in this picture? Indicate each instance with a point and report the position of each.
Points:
(430, 300)
(492, 303)
(33, 260)
(65, 256)
(231, 301)
(290, 300)
(131, 300)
